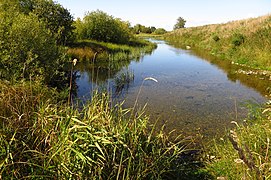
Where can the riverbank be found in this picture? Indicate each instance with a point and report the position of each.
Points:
(244, 153)
(89, 50)
(245, 150)
(246, 42)
(41, 136)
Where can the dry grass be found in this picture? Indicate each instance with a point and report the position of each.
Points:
(245, 41)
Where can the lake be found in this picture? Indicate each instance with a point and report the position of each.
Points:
(195, 93)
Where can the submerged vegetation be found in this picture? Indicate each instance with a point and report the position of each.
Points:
(243, 42)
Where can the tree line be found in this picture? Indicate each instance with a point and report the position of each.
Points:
(34, 33)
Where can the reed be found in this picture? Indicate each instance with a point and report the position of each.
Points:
(85, 50)
(41, 137)
(245, 153)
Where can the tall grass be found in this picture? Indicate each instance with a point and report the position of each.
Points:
(245, 152)
(87, 50)
(242, 42)
(42, 137)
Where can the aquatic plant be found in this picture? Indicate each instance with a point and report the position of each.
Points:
(122, 81)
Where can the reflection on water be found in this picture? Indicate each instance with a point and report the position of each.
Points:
(193, 93)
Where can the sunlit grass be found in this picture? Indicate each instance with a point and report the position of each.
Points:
(89, 50)
(42, 137)
(245, 152)
(245, 41)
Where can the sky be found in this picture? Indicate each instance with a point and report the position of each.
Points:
(164, 13)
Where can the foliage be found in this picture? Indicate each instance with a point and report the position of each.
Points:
(138, 28)
(180, 23)
(216, 38)
(56, 18)
(245, 154)
(40, 138)
(27, 49)
(100, 26)
(160, 31)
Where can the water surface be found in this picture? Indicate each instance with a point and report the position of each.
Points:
(193, 94)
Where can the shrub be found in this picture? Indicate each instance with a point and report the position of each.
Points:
(100, 26)
(160, 31)
(216, 38)
(237, 39)
(28, 50)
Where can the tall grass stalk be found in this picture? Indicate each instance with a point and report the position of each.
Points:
(245, 153)
(40, 137)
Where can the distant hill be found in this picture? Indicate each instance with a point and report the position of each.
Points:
(245, 42)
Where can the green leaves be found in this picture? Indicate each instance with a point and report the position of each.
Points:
(56, 18)
(180, 23)
(99, 26)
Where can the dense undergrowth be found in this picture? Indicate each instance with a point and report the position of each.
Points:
(41, 137)
(243, 42)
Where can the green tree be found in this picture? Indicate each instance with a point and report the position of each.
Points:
(100, 26)
(180, 23)
(160, 31)
(27, 48)
(57, 19)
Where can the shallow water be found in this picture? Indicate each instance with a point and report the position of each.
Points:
(193, 94)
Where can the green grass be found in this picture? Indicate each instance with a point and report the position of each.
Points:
(87, 50)
(41, 137)
(245, 42)
(245, 152)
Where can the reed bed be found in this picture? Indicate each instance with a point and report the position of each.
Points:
(87, 50)
(41, 137)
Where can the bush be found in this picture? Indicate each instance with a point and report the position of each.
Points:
(237, 39)
(160, 31)
(216, 38)
(28, 50)
(100, 26)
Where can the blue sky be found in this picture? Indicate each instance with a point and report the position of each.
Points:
(163, 13)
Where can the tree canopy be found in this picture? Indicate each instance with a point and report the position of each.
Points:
(100, 26)
(28, 49)
(180, 23)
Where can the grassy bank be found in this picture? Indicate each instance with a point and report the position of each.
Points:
(245, 152)
(87, 50)
(245, 42)
(41, 137)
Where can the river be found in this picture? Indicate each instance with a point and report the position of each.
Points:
(195, 93)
